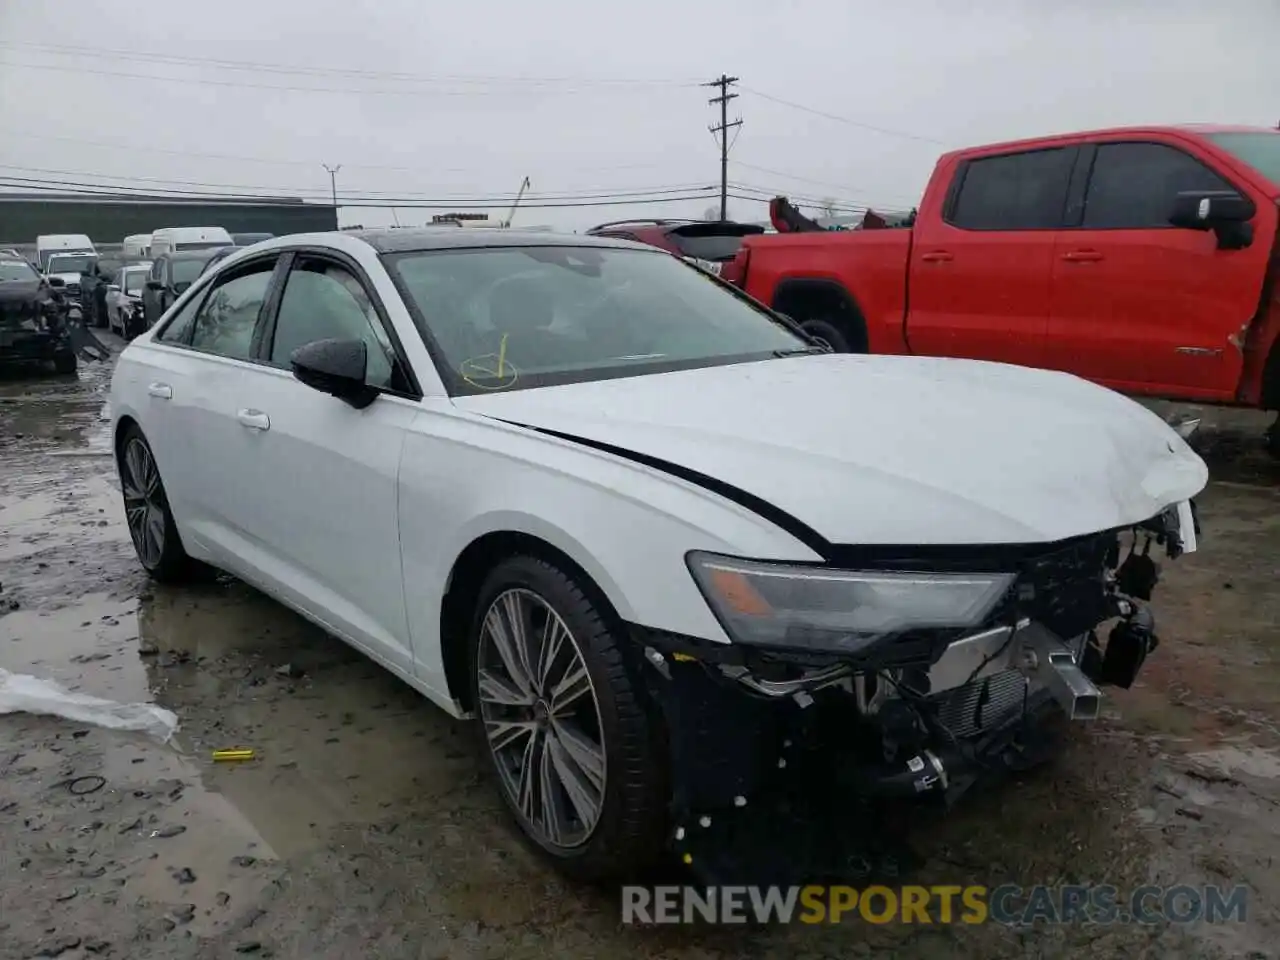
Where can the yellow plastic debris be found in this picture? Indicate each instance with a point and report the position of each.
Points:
(238, 754)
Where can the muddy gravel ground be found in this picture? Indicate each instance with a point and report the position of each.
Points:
(366, 828)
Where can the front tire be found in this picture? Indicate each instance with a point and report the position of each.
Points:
(566, 734)
(146, 508)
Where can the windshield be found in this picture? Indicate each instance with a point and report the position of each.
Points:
(134, 279)
(187, 269)
(510, 318)
(69, 264)
(1260, 149)
(11, 270)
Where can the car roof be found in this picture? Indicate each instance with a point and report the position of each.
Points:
(408, 239)
(204, 254)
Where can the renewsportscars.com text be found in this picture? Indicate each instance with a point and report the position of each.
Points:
(942, 904)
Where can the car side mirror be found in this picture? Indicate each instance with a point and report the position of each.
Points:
(335, 367)
(1225, 212)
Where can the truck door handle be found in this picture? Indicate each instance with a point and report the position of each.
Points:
(1082, 256)
(254, 419)
(161, 391)
(936, 256)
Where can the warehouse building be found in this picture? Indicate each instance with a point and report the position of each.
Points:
(108, 219)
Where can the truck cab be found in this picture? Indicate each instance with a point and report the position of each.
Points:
(1141, 258)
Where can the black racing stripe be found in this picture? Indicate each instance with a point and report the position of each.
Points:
(762, 508)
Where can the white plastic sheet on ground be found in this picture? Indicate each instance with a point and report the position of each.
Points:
(22, 693)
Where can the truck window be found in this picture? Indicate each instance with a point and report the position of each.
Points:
(1015, 191)
(1132, 185)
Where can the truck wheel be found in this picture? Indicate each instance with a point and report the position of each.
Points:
(566, 736)
(64, 362)
(829, 334)
(1273, 437)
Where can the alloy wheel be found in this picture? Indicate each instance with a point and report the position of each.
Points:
(144, 505)
(541, 718)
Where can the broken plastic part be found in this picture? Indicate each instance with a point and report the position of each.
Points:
(22, 693)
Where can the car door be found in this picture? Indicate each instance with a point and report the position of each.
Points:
(326, 473)
(979, 273)
(1141, 305)
(208, 349)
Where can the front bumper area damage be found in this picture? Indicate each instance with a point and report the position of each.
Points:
(795, 767)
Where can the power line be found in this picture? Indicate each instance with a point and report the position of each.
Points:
(834, 116)
(164, 184)
(723, 82)
(334, 72)
(90, 191)
(133, 148)
(245, 84)
(810, 180)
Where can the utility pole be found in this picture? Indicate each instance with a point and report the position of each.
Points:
(333, 184)
(721, 131)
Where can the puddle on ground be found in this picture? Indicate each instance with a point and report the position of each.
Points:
(43, 511)
(88, 647)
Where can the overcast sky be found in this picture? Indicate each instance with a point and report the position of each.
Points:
(437, 100)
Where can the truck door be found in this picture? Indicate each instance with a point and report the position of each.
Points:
(1137, 304)
(980, 266)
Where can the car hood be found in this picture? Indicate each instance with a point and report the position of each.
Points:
(890, 450)
(21, 302)
(68, 278)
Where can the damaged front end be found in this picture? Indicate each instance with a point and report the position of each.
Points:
(858, 693)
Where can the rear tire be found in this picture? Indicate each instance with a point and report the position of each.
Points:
(151, 525)
(64, 363)
(568, 740)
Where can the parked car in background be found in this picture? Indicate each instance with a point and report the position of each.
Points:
(69, 268)
(570, 486)
(136, 246)
(178, 239)
(65, 243)
(1140, 258)
(248, 239)
(124, 300)
(33, 314)
(170, 274)
(708, 243)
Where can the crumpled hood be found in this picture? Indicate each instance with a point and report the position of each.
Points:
(890, 450)
(21, 302)
(68, 278)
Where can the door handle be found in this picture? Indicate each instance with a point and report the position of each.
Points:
(254, 419)
(1082, 256)
(936, 256)
(161, 391)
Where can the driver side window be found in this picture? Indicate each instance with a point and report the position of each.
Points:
(323, 300)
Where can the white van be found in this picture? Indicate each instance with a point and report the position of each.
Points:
(136, 246)
(51, 243)
(170, 239)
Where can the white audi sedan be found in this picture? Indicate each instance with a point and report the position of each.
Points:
(683, 568)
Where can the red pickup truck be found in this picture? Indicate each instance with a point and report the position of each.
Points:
(1142, 258)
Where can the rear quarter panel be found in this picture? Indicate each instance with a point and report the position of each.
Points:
(871, 265)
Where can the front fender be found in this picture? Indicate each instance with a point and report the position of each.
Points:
(627, 525)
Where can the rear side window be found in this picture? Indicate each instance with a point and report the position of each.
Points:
(178, 330)
(225, 321)
(1016, 191)
(1132, 185)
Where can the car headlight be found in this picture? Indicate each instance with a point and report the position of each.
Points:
(838, 611)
